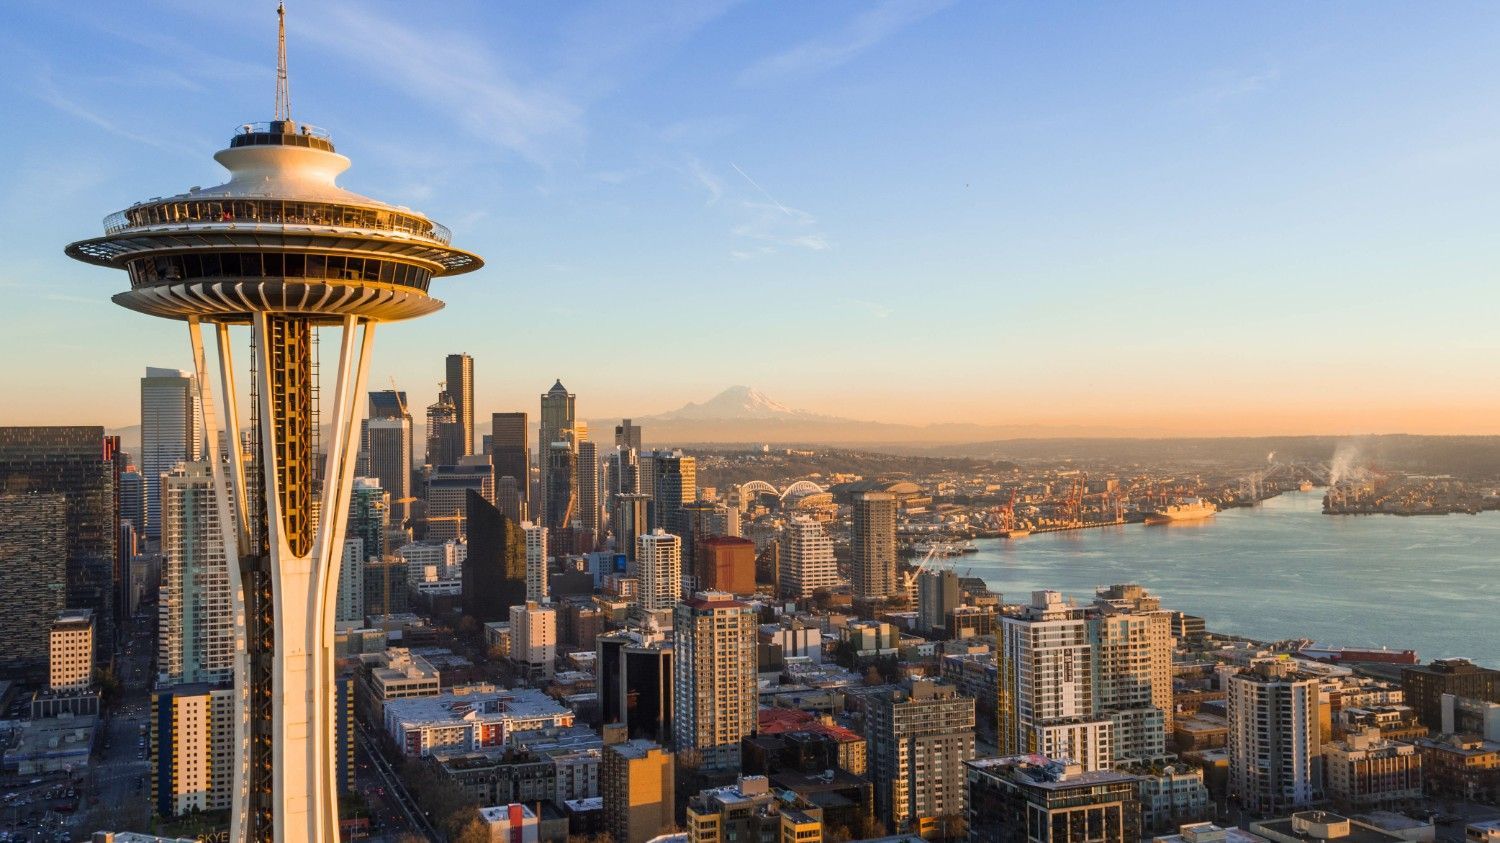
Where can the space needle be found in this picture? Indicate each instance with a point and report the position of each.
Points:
(282, 249)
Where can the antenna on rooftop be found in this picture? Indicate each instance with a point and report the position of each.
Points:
(283, 92)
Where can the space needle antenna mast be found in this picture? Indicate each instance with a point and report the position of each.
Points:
(277, 251)
(283, 90)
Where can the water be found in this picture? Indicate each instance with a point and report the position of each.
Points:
(1284, 570)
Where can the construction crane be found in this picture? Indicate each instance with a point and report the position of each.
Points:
(909, 578)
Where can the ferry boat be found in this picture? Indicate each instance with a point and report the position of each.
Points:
(1191, 510)
(1305, 486)
(1016, 533)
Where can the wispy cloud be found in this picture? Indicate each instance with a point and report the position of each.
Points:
(710, 182)
(865, 30)
(773, 224)
(1233, 86)
(463, 80)
(47, 91)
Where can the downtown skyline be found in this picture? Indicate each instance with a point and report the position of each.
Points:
(909, 213)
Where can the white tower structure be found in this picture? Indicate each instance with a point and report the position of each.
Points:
(284, 250)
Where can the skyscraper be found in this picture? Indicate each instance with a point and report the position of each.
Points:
(937, 595)
(447, 488)
(557, 416)
(283, 249)
(674, 478)
(195, 611)
(630, 520)
(658, 563)
(495, 571)
(873, 552)
(628, 435)
(33, 578)
(369, 516)
(387, 450)
(808, 563)
(715, 700)
(170, 433)
(1046, 693)
(920, 736)
(71, 461)
(588, 488)
(634, 670)
(444, 431)
(460, 371)
(560, 470)
(1273, 738)
(510, 452)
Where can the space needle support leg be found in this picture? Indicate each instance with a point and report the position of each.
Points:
(231, 534)
(338, 477)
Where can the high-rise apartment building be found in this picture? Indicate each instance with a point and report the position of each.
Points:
(460, 384)
(715, 699)
(195, 609)
(1273, 742)
(171, 433)
(873, 540)
(495, 572)
(1046, 689)
(1133, 645)
(536, 561)
(589, 507)
(386, 450)
(70, 660)
(193, 748)
(33, 577)
(658, 562)
(1365, 770)
(351, 595)
(533, 638)
(72, 462)
(807, 563)
(510, 452)
(637, 780)
(920, 736)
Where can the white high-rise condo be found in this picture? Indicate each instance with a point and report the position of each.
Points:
(283, 249)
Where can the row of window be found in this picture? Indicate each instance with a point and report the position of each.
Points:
(277, 211)
(168, 268)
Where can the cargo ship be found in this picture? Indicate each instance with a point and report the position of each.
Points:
(1192, 510)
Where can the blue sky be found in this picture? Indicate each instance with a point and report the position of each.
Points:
(1208, 217)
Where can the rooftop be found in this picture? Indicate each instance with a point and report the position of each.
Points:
(1043, 772)
(491, 706)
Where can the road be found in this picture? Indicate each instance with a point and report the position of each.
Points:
(393, 789)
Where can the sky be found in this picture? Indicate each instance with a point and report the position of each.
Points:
(1201, 218)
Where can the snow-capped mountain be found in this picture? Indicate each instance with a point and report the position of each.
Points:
(737, 402)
